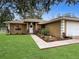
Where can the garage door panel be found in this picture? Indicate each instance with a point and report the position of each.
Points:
(72, 28)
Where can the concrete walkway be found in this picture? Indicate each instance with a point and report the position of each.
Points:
(42, 44)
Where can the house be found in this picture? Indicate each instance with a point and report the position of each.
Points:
(60, 25)
(57, 27)
(23, 26)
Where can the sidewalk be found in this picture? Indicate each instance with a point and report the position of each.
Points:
(42, 44)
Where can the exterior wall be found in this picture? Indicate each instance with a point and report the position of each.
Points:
(39, 26)
(22, 29)
(54, 28)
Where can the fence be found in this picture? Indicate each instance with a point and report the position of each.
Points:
(3, 29)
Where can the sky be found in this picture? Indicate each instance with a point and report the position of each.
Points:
(61, 9)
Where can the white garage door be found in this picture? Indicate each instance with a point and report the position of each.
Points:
(72, 28)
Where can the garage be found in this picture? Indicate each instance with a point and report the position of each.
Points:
(72, 28)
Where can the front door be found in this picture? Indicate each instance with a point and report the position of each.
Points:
(31, 28)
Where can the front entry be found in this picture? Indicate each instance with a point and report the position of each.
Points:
(31, 28)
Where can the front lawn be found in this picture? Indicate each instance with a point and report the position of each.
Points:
(23, 47)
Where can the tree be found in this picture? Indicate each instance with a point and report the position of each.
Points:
(27, 8)
(5, 15)
(34, 8)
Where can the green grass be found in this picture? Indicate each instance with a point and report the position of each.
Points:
(23, 47)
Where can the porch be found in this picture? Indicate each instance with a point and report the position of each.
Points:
(22, 28)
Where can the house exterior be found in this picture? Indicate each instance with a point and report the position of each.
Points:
(24, 26)
(60, 25)
(56, 27)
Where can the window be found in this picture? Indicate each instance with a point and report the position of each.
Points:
(17, 27)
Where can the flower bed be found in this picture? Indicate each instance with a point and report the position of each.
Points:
(44, 34)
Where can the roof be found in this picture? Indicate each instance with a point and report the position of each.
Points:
(25, 20)
(13, 21)
(33, 20)
(40, 21)
(61, 18)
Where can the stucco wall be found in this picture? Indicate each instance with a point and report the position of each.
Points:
(22, 29)
(54, 28)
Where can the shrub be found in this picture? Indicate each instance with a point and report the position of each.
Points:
(44, 31)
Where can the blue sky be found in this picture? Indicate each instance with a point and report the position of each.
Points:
(61, 9)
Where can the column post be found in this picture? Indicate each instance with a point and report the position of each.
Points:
(62, 27)
(36, 26)
(8, 28)
(27, 26)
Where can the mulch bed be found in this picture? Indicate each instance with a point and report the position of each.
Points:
(57, 39)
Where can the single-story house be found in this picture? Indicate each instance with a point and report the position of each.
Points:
(23, 26)
(57, 26)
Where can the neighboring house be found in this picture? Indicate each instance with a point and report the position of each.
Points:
(56, 27)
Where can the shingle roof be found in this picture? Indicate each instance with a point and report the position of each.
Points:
(25, 20)
(13, 21)
(61, 18)
(33, 20)
(40, 21)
